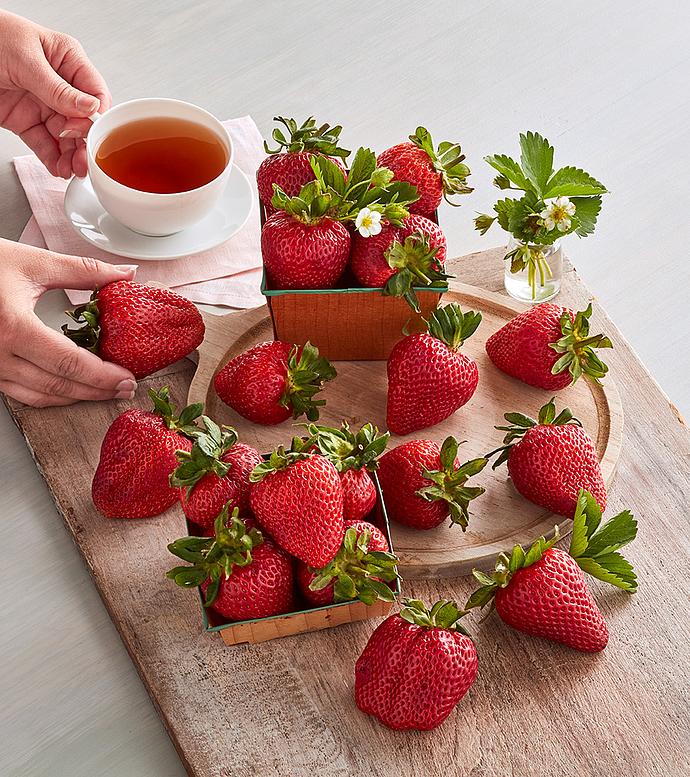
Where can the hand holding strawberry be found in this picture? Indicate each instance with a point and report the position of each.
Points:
(416, 666)
(551, 459)
(544, 593)
(549, 347)
(141, 328)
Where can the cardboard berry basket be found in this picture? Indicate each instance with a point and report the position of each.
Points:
(310, 618)
(349, 323)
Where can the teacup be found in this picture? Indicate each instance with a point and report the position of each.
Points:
(147, 212)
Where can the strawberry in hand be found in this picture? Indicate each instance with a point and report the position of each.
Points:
(436, 173)
(214, 474)
(548, 347)
(361, 569)
(416, 666)
(551, 459)
(274, 381)
(138, 457)
(141, 328)
(241, 573)
(429, 378)
(543, 592)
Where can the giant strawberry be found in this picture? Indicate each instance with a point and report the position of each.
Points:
(354, 455)
(429, 378)
(138, 457)
(141, 328)
(543, 592)
(397, 259)
(214, 474)
(548, 347)
(273, 381)
(297, 498)
(551, 459)
(241, 573)
(288, 166)
(416, 666)
(361, 569)
(436, 173)
(423, 486)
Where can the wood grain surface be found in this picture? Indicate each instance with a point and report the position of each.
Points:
(286, 707)
(500, 517)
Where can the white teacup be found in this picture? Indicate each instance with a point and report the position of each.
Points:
(146, 212)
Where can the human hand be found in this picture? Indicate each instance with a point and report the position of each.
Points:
(39, 366)
(48, 88)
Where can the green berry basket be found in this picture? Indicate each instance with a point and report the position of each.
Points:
(348, 323)
(310, 618)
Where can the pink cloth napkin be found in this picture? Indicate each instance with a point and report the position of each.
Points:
(228, 275)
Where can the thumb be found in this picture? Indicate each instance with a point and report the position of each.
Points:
(82, 272)
(45, 84)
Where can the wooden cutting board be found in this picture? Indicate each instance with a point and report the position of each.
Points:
(500, 517)
(286, 707)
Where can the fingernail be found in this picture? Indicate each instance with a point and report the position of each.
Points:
(87, 104)
(127, 386)
(124, 395)
(126, 268)
(71, 134)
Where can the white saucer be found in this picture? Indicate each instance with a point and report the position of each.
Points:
(89, 219)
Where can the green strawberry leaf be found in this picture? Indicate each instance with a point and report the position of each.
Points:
(586, 213)
(508, 168)
(536, 159)
(611, 568)
(572, 182)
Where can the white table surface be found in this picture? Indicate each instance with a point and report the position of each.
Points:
(606, 82)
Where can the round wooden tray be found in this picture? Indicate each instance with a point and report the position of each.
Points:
(500, 517)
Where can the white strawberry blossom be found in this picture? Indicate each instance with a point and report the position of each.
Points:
(557, 214)
(368, 222)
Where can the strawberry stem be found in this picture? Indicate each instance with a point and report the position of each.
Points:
(450, 325)
(445, 614)
(447, 161)
(577, 347)
(307, 371)
(306, 137)
(185, 423)
(348, 450)
(87, 335)
(205, 456)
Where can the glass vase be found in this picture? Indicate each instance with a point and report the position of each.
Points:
(536, 275)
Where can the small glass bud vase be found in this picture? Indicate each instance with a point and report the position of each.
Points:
(533, 273)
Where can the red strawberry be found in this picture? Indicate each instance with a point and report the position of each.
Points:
(358, 570)
(289, 166)
(242, 574)
(435, 173)
(543, 592)
(141, 328)
(423, 486)
(399, 258)
(214, 474)
(548, 347)
(354, 456)
(297, 498)
(416, 667)
(551, 459)
(274, 381)
(138, 456)
(428, 377)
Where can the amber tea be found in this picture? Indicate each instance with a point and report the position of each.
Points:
(162, 155)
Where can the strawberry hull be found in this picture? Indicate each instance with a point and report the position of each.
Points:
(348, 323)
(309, 618)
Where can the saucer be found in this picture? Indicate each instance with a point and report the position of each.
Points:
(87, 216)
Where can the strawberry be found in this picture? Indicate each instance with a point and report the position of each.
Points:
(273, 381)
(361, 569)
(288, 166)
(138, 456)
(141, 328)
(399, 258)
(428, 377)
(416, 666)
(354, 456)
(551, 459)
(544, 593)
(548, 347)
(214, 473)
(242, 574)
(297, 498)
(435, 173)
(423, 486)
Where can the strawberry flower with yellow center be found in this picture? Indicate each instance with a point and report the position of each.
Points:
(368, 222)
(557, 214)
